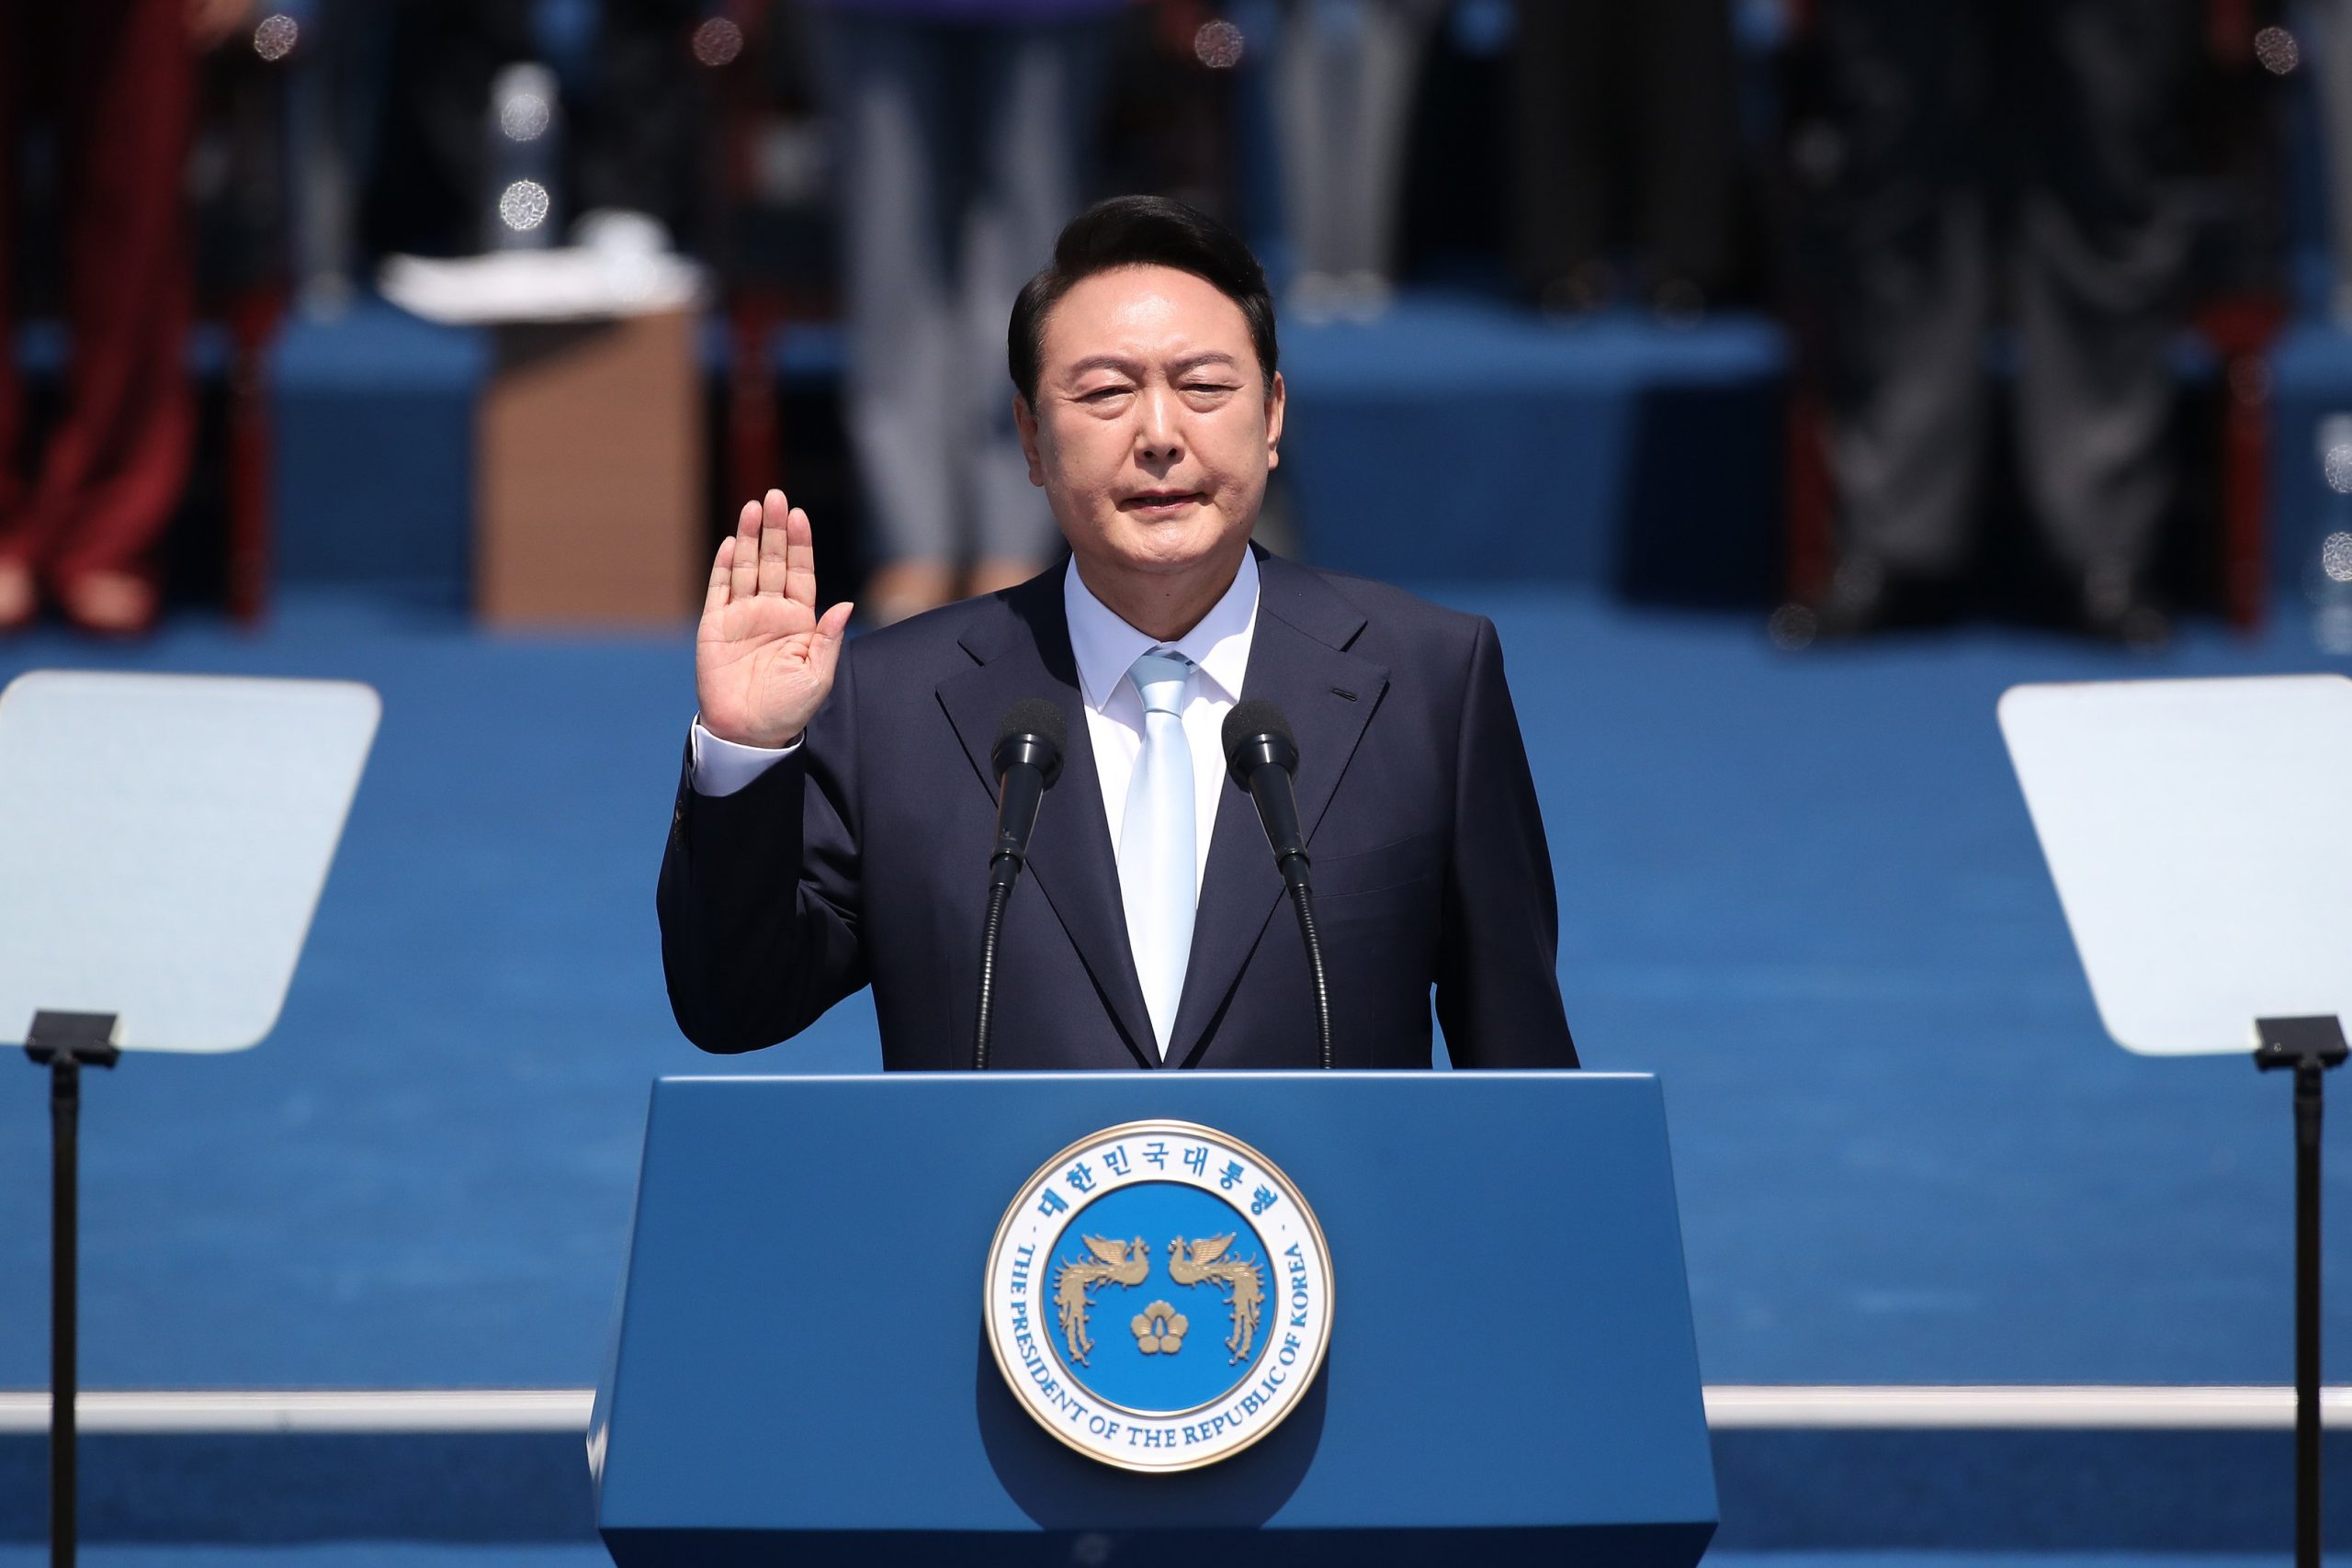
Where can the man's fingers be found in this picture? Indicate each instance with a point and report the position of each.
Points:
(801, 559)
(825, 647)
(744, 575)
(775, 547)
(722, 569)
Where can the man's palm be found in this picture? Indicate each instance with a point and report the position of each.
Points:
(764, 658)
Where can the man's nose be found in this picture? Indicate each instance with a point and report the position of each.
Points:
(1159, 437)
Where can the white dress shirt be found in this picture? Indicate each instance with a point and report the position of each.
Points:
(1103, 646)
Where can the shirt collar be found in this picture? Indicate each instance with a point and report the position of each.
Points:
(1104, 646)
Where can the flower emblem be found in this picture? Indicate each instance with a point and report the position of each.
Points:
(1159, 1329)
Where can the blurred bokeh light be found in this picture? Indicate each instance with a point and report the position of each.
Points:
(523, 205)
(1218, 45)
(525, 117)
(2337, 466)
(276, 35)
(718, 42)
(2335, 557)
(2277, 49)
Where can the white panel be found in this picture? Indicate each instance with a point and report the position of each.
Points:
(2197, 832)
(164, 840)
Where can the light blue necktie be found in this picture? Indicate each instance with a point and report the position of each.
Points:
(1158, 874)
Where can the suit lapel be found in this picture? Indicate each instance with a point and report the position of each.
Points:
(1026, 653)
(1299, 662)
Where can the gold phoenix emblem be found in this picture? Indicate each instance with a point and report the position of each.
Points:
(1243, 1284)
(1159, 1329)
(1076, 1277)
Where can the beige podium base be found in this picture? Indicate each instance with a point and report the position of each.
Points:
(588, 485)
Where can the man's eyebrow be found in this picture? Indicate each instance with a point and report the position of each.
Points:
(1101, 362)
(1130, 366)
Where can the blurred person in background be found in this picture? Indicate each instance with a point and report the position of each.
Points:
(635, 115)
(1623, 120)
(1343, 80)
(115, 82)
(1968, 145)
(960, 128)
(2327, 25)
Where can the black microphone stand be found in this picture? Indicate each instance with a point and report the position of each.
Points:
(1261, 757)
(1027, 758)
(1302, 899)
(1001, 871)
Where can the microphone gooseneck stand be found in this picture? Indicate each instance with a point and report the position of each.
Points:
(1302, 899)
(991, 927)
(1262, 756)
(1027, 758)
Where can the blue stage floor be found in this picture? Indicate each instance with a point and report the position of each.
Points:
(1802, 888)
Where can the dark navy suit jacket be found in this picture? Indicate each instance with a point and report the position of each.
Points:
(863, 858)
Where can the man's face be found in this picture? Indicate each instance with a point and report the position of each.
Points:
(1154, 427)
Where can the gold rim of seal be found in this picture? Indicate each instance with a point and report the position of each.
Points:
(996, 1245)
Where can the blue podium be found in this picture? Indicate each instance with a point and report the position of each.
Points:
(804, 1369)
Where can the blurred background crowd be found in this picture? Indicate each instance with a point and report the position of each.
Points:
(2023, 267)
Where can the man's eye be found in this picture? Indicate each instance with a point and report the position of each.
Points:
(1209, 387)
(1097, 394)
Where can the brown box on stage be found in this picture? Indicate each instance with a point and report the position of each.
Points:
(588, 487)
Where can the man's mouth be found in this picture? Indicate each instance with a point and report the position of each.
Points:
(1160, 501)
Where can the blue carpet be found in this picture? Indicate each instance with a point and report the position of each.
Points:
(1611, 452)
(373, 440)
(372, 437)
(1802, 888)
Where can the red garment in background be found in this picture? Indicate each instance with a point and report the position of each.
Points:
(117, 79)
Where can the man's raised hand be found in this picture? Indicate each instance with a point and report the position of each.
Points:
(764, 659)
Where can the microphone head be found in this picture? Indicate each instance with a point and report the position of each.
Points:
(1256, 733)
(1033, 731)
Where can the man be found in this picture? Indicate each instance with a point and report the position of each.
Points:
(834, 824)
(2032, 142)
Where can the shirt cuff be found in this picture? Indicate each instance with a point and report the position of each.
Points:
(722, 767)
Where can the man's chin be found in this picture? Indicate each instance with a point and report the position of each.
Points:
(1173, 550)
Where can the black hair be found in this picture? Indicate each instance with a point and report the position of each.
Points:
(1139, 230)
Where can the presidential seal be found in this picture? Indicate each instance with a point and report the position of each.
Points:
(1159, 1296)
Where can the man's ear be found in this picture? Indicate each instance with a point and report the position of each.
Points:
(1277, 396)
(1025, 422)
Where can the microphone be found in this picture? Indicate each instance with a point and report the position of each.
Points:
(1263, 758)
(1262, 755)
(1027, 758)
